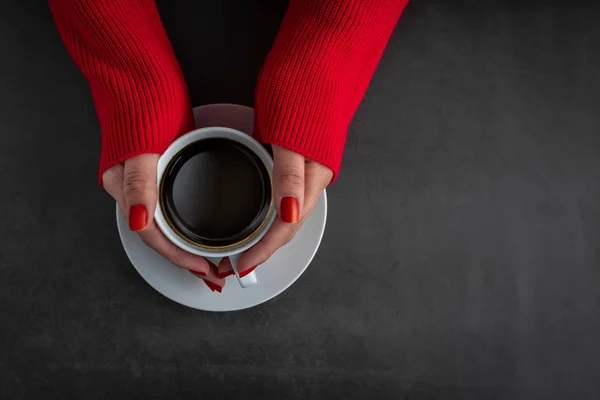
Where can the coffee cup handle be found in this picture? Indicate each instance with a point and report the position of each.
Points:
(247, 280)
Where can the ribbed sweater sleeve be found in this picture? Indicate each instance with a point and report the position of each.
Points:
(317, 73)
(138, 89)
(308, 90)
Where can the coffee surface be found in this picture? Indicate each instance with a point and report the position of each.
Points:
(216, 191)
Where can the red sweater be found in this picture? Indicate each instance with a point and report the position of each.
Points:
(308, 90)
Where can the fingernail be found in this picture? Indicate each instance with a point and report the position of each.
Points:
(138, 217)
(213, 286)
(223, 275)
(246, 272)
(209, 285)
(290, 209)
(199, 273)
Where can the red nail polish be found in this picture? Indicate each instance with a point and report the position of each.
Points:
(246, 272)
(223, 275)
(138, 217)
(199, 274)
(290, 209)
(209, 285)
(213, 286)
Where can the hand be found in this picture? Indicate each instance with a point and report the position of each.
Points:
(297, 185)
(133, 185)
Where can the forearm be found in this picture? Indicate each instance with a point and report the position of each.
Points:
(138, 89)
(318, 71)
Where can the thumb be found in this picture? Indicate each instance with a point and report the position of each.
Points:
(139, 190)
(288, 183)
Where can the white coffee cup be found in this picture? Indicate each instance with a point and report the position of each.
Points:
(215, 254)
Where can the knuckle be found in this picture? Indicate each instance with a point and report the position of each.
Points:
(174, 256)
(265, 256)
(110, 178)
(290, 235)
(291, 175)
(135, 182)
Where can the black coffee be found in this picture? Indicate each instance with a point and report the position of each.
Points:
(215, 192)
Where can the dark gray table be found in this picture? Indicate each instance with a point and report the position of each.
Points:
(462, 253)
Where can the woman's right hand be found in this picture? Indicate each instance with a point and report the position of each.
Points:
(133, 185)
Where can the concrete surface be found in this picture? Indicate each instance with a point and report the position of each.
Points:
(462, 254)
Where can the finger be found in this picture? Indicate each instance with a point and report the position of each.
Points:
(112, 180)
(279, 234)
(288, 183)
(225, 268)
(139, 189)
(211, 281)
(317, 178)
(211, 276)
(155, 239)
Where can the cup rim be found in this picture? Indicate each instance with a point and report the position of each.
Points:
(175, 148)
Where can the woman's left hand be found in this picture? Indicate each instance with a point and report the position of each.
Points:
(297, 184)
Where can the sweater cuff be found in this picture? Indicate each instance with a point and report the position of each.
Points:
(301, 109)
(317, 72)
(147, 127)
(308, 131)
(137, 85)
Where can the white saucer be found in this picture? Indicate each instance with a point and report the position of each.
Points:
(274, 276)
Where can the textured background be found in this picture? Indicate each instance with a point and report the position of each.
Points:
(462, 254)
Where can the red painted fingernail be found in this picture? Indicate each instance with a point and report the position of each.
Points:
(223, 275)
(246, 272)
(290, 209)
(199, 273)
(213, 286)
(209, 285)
(138, 217)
